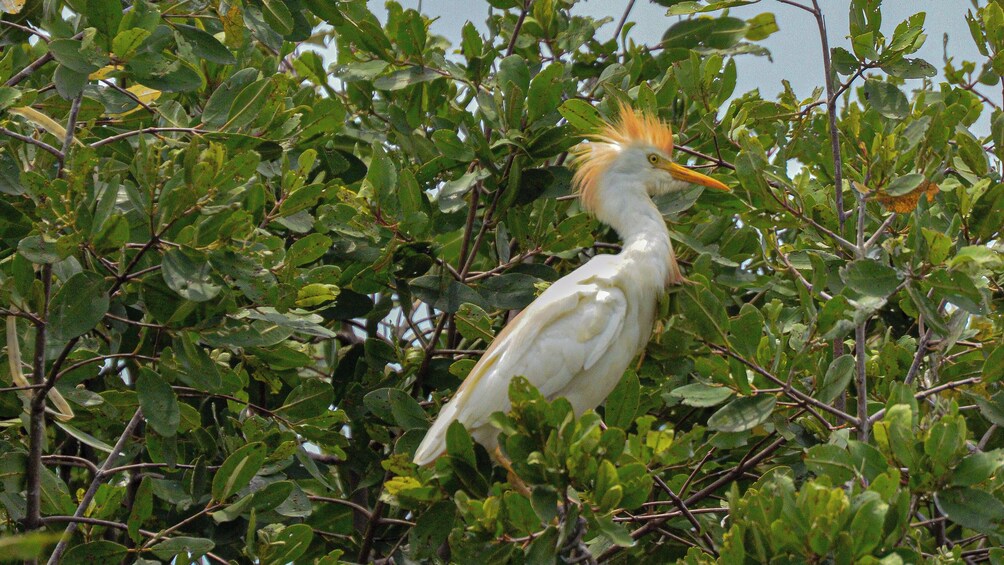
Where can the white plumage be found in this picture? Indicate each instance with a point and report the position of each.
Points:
(577, 338)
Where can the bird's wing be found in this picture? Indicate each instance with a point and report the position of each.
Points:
(562, 333)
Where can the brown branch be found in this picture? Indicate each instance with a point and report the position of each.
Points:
(36, 142)
(679, 503)
(99, 477)
(795, 394)
(519, 26)
(831, 111)
(932, 391)
(36, 423)
(151, 130)
(71, 128)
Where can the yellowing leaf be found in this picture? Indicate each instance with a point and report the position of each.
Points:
(233, 23)
(902, 203)
(104, 71)
(11, 6)
(398, 484)
(316, 293)
(144, 94)
(906, 203)
(42, 122)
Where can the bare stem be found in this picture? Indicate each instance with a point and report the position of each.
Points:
(862, 382)
(36, 142)
(99, 477)
(831, 111)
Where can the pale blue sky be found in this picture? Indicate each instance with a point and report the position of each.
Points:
(795, 48)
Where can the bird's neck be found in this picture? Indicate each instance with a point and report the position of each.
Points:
(647, 246)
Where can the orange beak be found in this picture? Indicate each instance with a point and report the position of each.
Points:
(680, 172)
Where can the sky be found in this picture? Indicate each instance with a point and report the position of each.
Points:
(795, 49)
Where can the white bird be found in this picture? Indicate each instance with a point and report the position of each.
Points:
(577, 338)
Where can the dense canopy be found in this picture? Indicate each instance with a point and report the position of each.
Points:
(248, 249)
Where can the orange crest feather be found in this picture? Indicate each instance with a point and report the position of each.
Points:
(593, 158)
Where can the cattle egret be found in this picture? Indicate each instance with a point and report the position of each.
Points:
(577, 338)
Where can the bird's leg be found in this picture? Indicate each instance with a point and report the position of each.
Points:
(675, 275)
(514, 480)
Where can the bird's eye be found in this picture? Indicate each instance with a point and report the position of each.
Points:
(653, 158)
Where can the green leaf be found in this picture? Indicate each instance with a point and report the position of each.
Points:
(459, 444)
(411, 34)
(545, 91)
(886, 99)
(127, 42)
(28, 546)
(910, 68)
(101, 551)
(78, 306)
(142, 508)
(992, 408)
(217, 109)
(510, 291)
(105, 15)
(993, 367)
(977, 467)
(622, 403)
(581, 115)
(432, 529)
(159, 403)
(205, 45)
(473, 323)
(277, 16)
(189, 277)
(871, 278)
(513, 69)
(192, 548)
(311, 398)
(700, 395)
(957, 288)
(248, 103)
(308, 249)
(831, 461)
(450, 145)
(904, 184)
(406, 77)
(443, 293)
(68, 52)
(237, 470)
(743, 414)
(705, 313)
(972, 508)
(286, 546)
(395, 405)
(761, 26)
(746, 330)
(838, 376)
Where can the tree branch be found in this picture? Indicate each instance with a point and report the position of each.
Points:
(99, 477)
(36, 142)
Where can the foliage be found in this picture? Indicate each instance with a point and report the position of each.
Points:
(244, 282)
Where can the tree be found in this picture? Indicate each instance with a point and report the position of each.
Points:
(254, 279)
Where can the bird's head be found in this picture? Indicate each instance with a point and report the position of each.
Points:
(633, 153)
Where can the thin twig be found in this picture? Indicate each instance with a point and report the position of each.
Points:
(831, 111)
(624, 17)
(36, 425)
(932, 391)
(152, 130)
(36, 142)
(98, 479)
(71, 128)
(679, 503)
(519, 26)
(797, 395)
